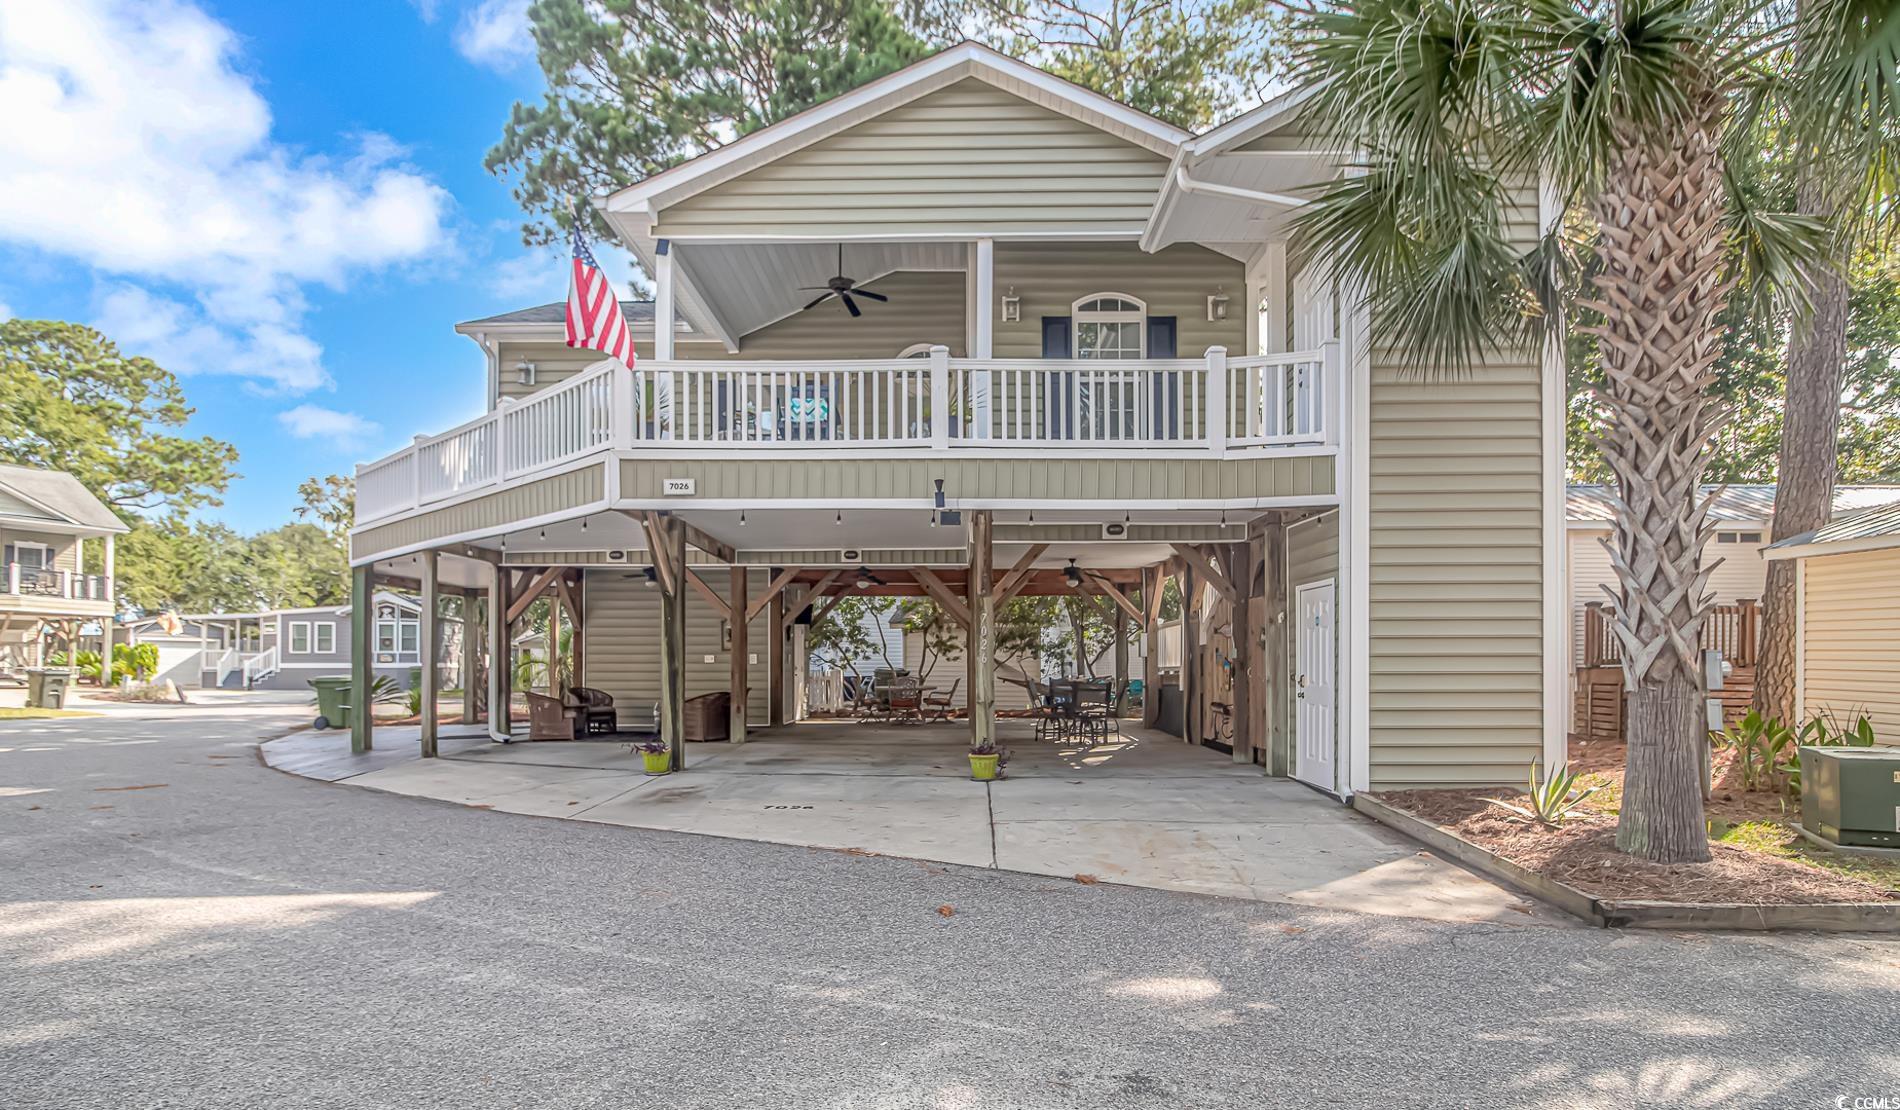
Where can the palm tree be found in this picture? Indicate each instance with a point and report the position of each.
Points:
(1642, 119)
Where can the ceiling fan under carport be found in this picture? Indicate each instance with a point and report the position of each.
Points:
(843, 288)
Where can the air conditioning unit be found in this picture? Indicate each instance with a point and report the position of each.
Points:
(1115, 531)
(1852, 795)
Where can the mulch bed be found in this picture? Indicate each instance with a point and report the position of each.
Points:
(1582, 853)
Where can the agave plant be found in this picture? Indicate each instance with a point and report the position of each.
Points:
(1551, 800)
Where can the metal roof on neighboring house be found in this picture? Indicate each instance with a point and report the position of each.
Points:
(1752, 503)
(1862, 529)
(61, 494)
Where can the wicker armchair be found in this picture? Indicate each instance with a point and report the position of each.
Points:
(596, 709)
(550, 718)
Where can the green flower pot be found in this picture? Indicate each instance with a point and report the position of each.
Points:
(983, 768)
(657, 763)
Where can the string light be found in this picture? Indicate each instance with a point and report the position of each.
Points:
(840, 519)
(742, 518)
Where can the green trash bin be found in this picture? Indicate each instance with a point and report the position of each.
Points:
(46, 687)
(333, 702)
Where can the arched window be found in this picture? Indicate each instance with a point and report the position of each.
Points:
(916, 350)
(1110, 325)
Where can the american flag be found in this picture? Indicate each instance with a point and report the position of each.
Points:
(594, 319)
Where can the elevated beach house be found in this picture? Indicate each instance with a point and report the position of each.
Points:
(1076, 354)
(48, 523)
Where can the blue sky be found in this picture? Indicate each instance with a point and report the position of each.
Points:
(283, 203)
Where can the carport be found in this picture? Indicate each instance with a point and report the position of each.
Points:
(1143, 810)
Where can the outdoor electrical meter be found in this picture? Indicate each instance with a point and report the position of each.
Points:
(1852, 795)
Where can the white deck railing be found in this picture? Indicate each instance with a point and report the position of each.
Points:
(259, 665)
(47, 582)
(1212, 404)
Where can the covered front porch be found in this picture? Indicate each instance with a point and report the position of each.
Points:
(1142, 810)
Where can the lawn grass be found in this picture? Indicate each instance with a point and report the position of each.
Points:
(1775, 839)
(16, 714)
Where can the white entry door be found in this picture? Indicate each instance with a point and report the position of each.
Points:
(1315, 735)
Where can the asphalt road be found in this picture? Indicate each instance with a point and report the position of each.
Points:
(183, 927)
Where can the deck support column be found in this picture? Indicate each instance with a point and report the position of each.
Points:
(471, 649)
(362, 672)
(673, 588)
(1190, 656)
(500, 667)
(1241, 565)
(1278, 679)
(1121, 658)
(741, 658)
(982, 638)
(430, 633)
(1153, 580)
(554, 653)
(775, 666)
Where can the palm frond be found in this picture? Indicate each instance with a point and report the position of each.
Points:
(1845, 114)
(1780, 253)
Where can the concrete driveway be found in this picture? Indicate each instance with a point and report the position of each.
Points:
(1144, 810)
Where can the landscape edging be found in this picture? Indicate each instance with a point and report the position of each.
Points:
(1846, 917)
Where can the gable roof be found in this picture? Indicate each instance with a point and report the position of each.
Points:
(1867, 530)
(939, 70)
(1752, 504)
(636, 312)
(61, 497)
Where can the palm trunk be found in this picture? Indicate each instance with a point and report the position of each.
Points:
(1660, 288)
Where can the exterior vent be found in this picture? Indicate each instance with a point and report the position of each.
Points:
(1115, 531)
(616, 556)
(851, 555)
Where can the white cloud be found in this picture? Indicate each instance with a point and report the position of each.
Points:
(344, 429)
(495, 33)
(427, 9)
(535, 278)
(136, 148)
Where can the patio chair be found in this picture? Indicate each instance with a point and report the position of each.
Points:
(1095, 710)
(937, 706)
(905, 698)
(596, 710)
(550, 718)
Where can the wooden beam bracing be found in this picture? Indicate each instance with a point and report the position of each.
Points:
(527, 596)
(943, 596)
(817, 593)
(711, 595)
(1114, 594)
(1207, 570)
(1019, 574)
(772, 590)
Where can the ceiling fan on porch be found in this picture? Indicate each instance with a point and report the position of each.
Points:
(843, 288)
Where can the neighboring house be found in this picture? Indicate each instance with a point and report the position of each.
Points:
(1741, 516)
(282, 649)
(1847, 633)
(48, 521)
(1090, 342)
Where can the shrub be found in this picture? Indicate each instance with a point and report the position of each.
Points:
(1760, 743)
(1551, 800)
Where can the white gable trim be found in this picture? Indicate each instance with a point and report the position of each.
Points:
(637, 205)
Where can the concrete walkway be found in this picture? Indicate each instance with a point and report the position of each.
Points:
(1145, 810)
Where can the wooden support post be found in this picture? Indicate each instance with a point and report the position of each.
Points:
(1153, 579)
(982, 635)
(776, 636)
(670, 550)
(429, 632)
(1190, 654)
(1279, 682)
(1121, 661)
(362, 668)
(1239, 561)
(571, 597)
(500, 666)
(553, 653)
(471, 650)
(741, 660)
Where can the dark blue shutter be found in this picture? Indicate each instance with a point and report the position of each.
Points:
(1058, 341)
(1167, 414)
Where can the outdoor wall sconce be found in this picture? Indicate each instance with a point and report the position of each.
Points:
(1012, 306)
(524, 372)
(1217, 304)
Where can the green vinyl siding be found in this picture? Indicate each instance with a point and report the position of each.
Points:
(1456, 577)
(621, 646)
(969, 158)
(1176, 281)
(1109, 481)
(924, 307)
(573, 489)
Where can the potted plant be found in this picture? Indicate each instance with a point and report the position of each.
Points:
(656, 755)
(987, 761)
